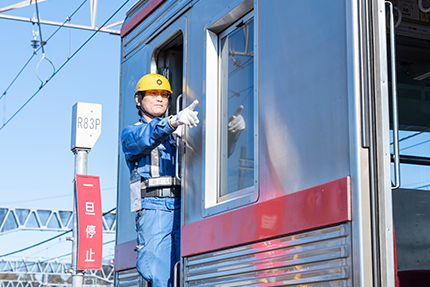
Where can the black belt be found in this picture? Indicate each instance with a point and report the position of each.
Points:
(165, 186)
(162, 192)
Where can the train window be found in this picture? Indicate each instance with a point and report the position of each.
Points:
(237, 107)
(230, 172)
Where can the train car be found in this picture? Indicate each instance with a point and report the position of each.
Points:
(328, 183)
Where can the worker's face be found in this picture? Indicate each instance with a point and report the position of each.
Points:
(154, 102)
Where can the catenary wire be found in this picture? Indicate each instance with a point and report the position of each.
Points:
(37, 244)
(56, 257)
(408, 137)
(36, 199)
(70, 253)
(46, 248)
(62, 66)
(414, 145)
(32, 56)
(49, 239)
(45, 198)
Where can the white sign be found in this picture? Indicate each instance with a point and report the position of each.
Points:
(86, 125)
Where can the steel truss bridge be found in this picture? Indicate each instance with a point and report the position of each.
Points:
(24, 272)
(14, 219)
(46, 269)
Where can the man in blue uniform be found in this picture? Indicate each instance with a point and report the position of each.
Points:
(149, 149)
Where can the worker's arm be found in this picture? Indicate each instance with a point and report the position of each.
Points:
(139, 140)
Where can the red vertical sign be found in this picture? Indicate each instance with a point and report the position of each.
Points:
(90, 224)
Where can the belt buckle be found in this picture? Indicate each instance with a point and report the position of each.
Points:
(165, 192)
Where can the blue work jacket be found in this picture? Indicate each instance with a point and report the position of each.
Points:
(137, 143)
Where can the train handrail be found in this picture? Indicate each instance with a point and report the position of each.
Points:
(175, 276)
(396, 184)
(177, 140)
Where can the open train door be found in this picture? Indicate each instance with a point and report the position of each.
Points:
(148, 46)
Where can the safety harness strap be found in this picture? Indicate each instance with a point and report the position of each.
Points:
(155, 163)
(160, 186)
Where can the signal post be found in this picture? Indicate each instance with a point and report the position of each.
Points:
(86, 129)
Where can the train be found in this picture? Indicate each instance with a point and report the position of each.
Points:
(328, 183)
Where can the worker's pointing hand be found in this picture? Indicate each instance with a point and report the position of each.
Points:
(186, 117)
(236, 123)
(193, 105)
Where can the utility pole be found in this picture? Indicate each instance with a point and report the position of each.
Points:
(86, 129)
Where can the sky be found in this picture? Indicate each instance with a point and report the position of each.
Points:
(36, 163)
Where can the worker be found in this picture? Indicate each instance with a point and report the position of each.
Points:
(149, 150)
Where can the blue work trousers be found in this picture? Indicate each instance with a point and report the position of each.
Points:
(158, 239)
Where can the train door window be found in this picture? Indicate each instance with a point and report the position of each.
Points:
(230, 172)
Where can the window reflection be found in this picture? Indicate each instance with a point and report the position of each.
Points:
(237, 100)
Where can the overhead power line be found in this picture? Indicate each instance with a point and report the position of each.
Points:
(47, 40)
(47, 240)
(53, 258)
(408, 137)
(36, 199)
(62, 66)
(35, 245)
(45, 198)
(70, 253)
(414, 145)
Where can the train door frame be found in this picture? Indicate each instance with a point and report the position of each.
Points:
(376, 137)
(150, 47)
(165, 39)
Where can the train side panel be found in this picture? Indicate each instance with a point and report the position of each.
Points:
(288, 202)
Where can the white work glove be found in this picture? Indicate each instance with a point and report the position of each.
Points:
(236, 123)
(178, 132)
(186, 117)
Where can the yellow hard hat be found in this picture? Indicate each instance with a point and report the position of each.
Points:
(153, 82)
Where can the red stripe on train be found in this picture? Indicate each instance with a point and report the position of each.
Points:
(136, 20)
(318, 206)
